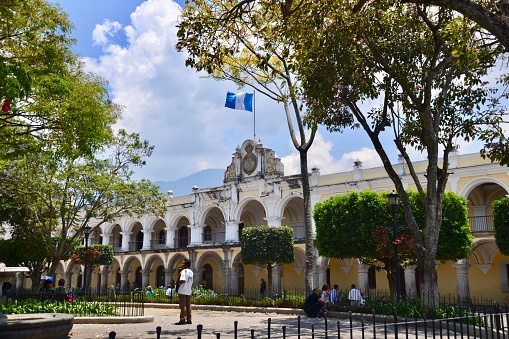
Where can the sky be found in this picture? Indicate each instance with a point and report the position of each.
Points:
(131, 43)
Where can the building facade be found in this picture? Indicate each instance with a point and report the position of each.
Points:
(205, 226)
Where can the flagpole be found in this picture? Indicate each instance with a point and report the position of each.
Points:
(254, 116)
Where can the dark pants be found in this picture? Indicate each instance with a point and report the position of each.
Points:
(313, 310)
(185, 307)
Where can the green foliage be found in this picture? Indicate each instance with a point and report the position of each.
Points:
(52, 97)
(264, 245)
(342, 218)
(356, 215)
(501, 224)
(78, 308)
(61, 195)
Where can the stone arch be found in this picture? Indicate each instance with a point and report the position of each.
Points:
(176, 218)
(128, 227)
(484, 251)
(237, 283)
(217, 267)
(153, 260)
(116, 237)
(176, 260)
(131, 262)
(206, 210)
(214, 227)
(252, 212)
(95, 235)
(471, 185)
(158, 226)
(291, 209)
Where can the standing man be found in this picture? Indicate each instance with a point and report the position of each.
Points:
(184, 292)
(263, 287)
(355, 296)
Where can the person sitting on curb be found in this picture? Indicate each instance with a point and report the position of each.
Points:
(313, 304)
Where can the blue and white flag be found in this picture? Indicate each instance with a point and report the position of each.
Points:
(242, 101)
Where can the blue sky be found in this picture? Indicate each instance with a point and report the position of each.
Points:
(131, 44)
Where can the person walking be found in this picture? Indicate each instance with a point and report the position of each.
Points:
(184, 292)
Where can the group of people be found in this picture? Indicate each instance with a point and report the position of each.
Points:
(316, 303)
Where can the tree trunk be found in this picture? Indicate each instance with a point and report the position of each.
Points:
(308, 226)
(269, 281)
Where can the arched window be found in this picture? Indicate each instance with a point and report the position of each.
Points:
(183, 237)
(208, 277)
(160, 276)
(139, 241)
(161, 239)
(241, 226)
(207, 233)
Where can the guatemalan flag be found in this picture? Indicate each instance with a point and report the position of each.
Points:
(242, 101)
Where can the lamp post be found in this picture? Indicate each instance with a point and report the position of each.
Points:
(393, 201)
(86, 232)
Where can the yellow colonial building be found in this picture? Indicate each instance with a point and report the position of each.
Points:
(205, 227)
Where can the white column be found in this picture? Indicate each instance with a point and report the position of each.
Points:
(276, 280)
(106, 238)
(196, 234)
(104, 278)
(170, 237)
(274, 221)
(462, 284)
(231, 231)
(126, 236)
(145, 278)
(362, 276)
(410, 282)
(123, 279)
(147, 240)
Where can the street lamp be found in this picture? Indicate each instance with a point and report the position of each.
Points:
(393, 201)
(86, 232)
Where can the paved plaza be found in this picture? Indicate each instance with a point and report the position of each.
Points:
(213, 322)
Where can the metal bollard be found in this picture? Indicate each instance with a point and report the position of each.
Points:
(200, 330)
(158, 332)
(112, 335)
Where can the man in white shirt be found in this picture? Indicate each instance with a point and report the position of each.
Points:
(184, 292)
(355, 296)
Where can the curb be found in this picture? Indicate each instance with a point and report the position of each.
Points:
(113, 320)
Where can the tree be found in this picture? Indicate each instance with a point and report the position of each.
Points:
(61, 197)
(95, 254)
(425, 65)
(491, 15)
(267, 246)
(243, 42)
(50, 95)
(501, 224)
(366, 216)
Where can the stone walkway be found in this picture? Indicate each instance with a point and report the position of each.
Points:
(218, 322)
(213, 322)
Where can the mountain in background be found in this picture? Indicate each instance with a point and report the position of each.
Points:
(203, 179)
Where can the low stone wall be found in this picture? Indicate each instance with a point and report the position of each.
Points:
(37, 325)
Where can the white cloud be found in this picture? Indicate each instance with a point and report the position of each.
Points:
(102, 32)
(172, 106)
(321, 155)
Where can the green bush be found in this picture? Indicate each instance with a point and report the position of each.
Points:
(77, 308)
